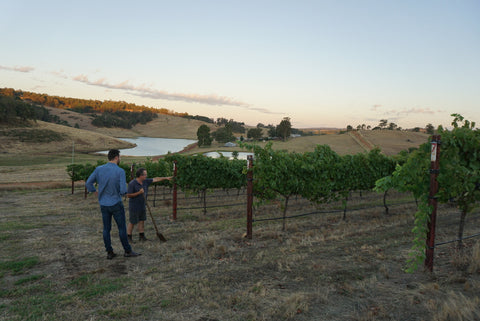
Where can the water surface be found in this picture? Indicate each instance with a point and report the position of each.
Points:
(151, 146)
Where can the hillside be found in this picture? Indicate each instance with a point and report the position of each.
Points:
(165, 126)
(42, 137)
(89, 138)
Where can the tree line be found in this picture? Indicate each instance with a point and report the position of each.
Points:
(225, 133)
(384, 124)
(82, 105)
(13, 111)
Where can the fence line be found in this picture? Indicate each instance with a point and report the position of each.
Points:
(327, 212)
(211, 206)
(453, 241)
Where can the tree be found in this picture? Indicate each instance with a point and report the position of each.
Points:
(349, 128)
(383, 123)
(221, 121)
(284, 129)
(392, 126)
(224, 134)
(203, 135)
(430, 129)
(272, 131)
(254, 133)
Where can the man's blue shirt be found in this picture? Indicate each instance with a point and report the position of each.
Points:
(111, 182)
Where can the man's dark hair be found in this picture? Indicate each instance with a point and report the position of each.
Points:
(139, 172)
(112, 153)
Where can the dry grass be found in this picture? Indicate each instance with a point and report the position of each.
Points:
(393, 141)
(165, 126)
(81, 140)
(321, 268)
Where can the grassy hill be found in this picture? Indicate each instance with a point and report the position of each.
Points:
(39, 153)
(167, 126)
(88, 138)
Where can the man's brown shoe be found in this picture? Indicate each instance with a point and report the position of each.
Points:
(111, 255)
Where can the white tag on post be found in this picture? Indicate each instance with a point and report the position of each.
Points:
(433, 155)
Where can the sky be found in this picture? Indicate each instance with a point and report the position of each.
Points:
(321, 63)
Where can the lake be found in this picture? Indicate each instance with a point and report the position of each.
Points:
(151, 146)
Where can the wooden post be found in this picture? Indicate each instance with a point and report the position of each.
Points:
(132, 169)
(154, 194)
(174, 197)
(432, 201)
(73, 182)
(249, 196)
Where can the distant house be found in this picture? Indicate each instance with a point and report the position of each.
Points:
(230, 144)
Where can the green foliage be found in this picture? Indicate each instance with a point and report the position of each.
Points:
(429, 129)
(224, 134)
(201, 118)
(203, 135)
(160, 168)
(79, 172)
(255, 133)
(200, 172)
(82, 105)
(35, 135)
(321, 176)
(123, 119)
(284, 129)
(459, 164)
(19, 266)
(235, 126)
(13, 110)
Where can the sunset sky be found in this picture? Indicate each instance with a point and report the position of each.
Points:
(321, 63)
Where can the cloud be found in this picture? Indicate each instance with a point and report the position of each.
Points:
(148, 92)
(144, 91)
(18, 68)
(60, 74)
(415, 111)
(375, 107)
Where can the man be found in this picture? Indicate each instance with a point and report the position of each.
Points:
(137, 194)
(111, 187)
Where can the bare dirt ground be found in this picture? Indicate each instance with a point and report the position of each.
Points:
(53, 265)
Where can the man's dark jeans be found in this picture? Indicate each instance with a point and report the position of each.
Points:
(116, 211)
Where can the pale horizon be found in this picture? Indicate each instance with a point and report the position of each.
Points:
(323, 64)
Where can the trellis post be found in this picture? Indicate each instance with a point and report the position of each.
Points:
(174, 197)
(249, 196)
(432, 201)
